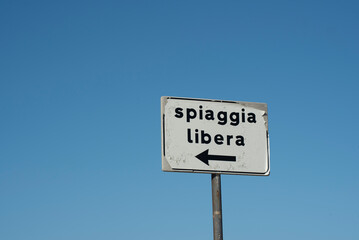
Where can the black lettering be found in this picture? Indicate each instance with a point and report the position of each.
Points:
(243, 115)
(179, 113)
(234, 116)
(251, 118)
(240, 140)
(189, 139)
(205, 137)
(222, 117)
(209, 115)
(218, 139)
(196, 136)
(200, 113)
(191, 114)
(229, 137)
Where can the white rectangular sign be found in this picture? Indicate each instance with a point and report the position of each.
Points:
(214, 136)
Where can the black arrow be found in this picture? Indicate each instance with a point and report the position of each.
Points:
(205, 157)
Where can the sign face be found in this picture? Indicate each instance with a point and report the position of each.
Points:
(214, 136)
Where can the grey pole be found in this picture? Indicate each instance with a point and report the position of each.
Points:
(217, 207)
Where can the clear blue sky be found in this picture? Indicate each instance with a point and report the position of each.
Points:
(80, 135)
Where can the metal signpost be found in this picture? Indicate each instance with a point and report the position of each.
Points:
(217, 137)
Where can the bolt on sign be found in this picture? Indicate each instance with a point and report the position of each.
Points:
(214, 136)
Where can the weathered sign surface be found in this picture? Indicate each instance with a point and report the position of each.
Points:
(214, 136)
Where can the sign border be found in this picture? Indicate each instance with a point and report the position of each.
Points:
(167, 168)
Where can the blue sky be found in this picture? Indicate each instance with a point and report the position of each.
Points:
(80, 142)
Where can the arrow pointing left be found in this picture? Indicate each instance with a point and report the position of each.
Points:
(205, 157)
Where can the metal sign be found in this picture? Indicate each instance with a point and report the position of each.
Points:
(214, 136)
